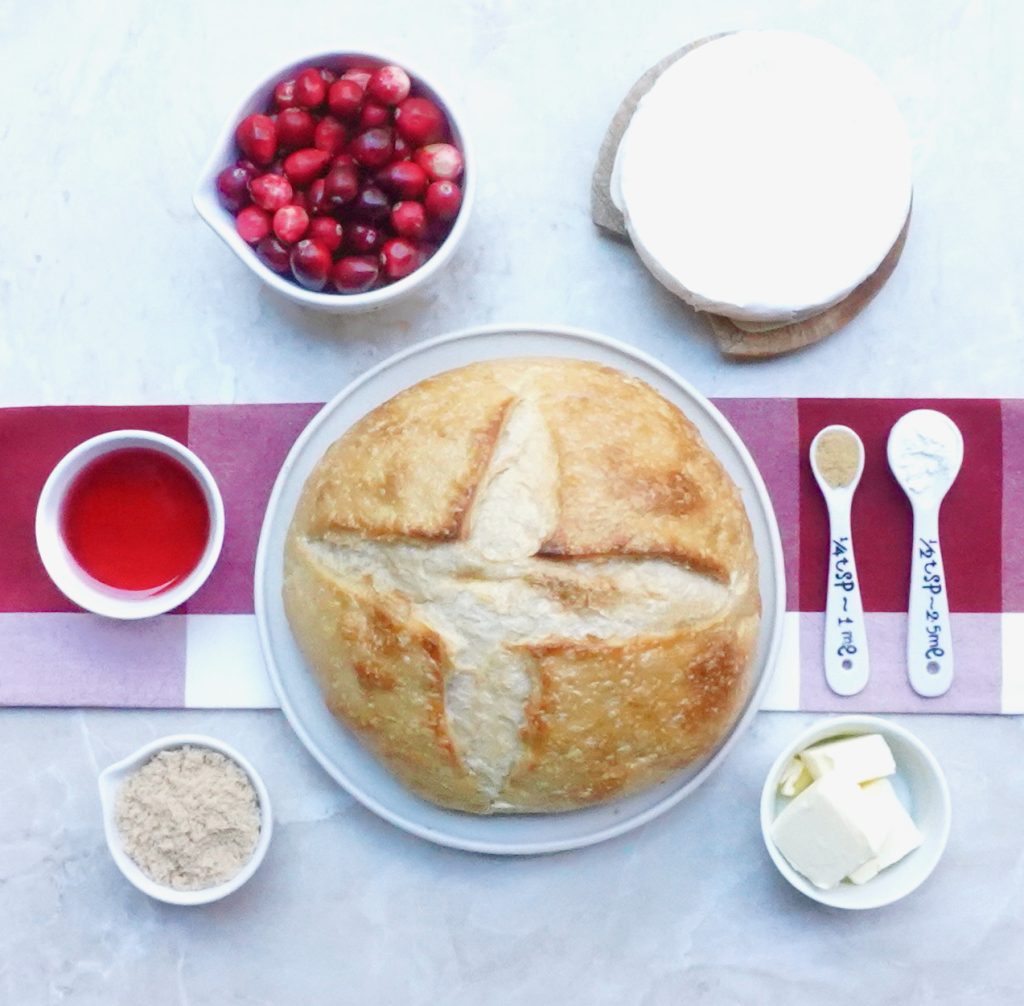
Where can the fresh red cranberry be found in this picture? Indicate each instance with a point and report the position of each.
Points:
(273, 254)
(359, 75)
(405, 179)
(399, 257)
(290, 224)
(328, 76)
(408, 219)
(330, 135)
(271, 191)
(327, 231)
(253, 224)
(345, 98)
(316, 201)
(355, 273)
(295, 128)
(374, 114)
(389, 85)
(310, 262)
(233, 188)
(363, 238)
(443, 200)
(441, 161)
(341, 186)
(284, 94)
(371, 205)
(419, 121)
(310, 89)
(373, 149)
(256, 137)
(304, 166)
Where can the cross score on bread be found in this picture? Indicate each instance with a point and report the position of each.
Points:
(527, 585)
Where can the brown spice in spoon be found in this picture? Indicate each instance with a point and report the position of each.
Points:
(837, 456)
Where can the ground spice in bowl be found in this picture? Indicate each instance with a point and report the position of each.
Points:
(837, 456)
(189, 818)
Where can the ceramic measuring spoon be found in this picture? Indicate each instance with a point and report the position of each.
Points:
(926, 450)
(837, 460)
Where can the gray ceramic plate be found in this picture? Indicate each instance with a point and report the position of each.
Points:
(338, 751)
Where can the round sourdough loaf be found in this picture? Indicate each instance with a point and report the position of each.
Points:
(527, 585)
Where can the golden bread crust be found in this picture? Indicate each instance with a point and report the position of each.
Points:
(636, 478)
(411, 466)
(527, 585)
(381, 672)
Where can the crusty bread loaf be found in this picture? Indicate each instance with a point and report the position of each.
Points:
(527, 585)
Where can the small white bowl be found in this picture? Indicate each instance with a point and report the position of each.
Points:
(920, 784)
(72, 581)
(224, 153)
(110, 780)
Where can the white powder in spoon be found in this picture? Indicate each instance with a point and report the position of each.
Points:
(923, 454)
(189, 818)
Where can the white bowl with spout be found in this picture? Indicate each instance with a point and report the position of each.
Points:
(224, 153)
(113, 777)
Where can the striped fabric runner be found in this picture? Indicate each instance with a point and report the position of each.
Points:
(205, 654)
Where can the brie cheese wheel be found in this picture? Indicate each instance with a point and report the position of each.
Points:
(764, 176)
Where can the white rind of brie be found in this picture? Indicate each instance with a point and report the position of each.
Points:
(764, 176)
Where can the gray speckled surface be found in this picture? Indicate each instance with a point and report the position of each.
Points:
(111, 290)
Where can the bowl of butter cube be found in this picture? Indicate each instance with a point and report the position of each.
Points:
(855, 812)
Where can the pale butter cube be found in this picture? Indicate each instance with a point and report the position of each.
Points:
(795, 778)
(903, 837)
(860, 758)
(830, 830)
(864, 873)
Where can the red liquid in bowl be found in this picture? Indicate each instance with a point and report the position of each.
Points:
(136, 520)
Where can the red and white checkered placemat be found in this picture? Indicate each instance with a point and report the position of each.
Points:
(205, 654)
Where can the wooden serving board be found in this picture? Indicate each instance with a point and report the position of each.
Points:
(733, 341)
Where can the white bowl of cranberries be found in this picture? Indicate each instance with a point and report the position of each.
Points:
(342, 182)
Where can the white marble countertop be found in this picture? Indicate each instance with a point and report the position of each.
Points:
(112, 290)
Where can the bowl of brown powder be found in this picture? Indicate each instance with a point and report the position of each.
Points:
(187, 818)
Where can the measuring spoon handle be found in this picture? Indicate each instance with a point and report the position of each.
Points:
(846, 643)
(929, 639)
